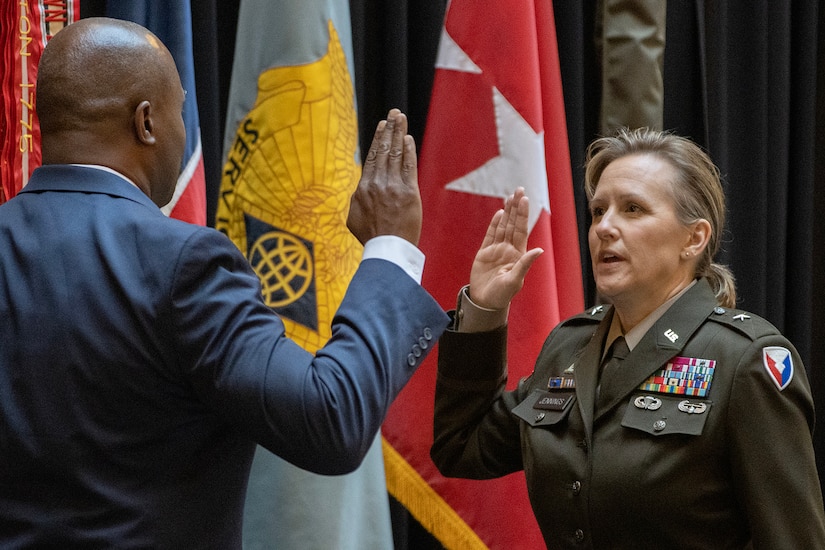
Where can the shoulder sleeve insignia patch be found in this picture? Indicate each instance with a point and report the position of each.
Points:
(779, 364)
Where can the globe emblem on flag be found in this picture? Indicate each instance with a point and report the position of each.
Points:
(284, 265)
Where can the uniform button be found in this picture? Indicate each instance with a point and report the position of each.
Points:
(583, 444)
(577, 487)
(411, 360)
(659, 425)
(428, 334)
(423, 342)
(578, 535)
(416, 350)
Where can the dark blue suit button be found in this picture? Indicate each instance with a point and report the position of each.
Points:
(411, 360)
(428, 334)
(423, 343)
(416, 350)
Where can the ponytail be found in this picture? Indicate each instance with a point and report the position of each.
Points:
(723, 284)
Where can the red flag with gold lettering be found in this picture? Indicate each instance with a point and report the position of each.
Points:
(496, 121)
(25, 28)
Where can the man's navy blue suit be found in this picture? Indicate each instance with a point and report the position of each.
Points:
(139, 366)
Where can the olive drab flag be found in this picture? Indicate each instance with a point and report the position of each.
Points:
(291, 164)
(496, 121)
(25, 28)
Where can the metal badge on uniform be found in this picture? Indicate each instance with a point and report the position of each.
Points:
(682, 376)
(555, 401)
(779, 364)
(692, 407)
(666, 414)
(647, 402)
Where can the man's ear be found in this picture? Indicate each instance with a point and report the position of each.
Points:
(144, 128)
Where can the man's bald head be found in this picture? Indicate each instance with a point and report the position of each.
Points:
(97, 69)
(107, 93)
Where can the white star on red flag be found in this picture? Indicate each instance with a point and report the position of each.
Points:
(521, 159)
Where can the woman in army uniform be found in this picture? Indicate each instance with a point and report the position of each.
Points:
(667, 419)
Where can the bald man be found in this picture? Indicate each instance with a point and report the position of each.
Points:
(139, 365)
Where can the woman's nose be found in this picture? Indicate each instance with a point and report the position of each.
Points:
(604, 226)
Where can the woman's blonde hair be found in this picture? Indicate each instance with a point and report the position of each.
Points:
(697, 191)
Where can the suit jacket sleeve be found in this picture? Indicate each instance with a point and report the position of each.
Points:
(321, 412)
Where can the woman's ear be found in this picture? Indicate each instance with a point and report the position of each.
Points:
(699, 238)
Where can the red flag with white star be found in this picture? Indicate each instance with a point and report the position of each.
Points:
(496, 121)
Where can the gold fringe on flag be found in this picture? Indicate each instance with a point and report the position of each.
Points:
(426, 506)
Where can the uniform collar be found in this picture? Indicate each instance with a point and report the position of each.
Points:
(634, 335)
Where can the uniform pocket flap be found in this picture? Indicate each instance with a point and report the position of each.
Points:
(657, 414)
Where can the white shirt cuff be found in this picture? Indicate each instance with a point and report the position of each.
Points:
(399, 251)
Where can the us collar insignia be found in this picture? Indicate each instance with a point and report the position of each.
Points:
(682, 376)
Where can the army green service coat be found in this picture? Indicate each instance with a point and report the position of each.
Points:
(646, 469)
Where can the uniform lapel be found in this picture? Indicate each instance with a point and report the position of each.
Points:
(586, 372)
(665, 339)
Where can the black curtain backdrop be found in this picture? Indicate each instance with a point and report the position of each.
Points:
(744, 79)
